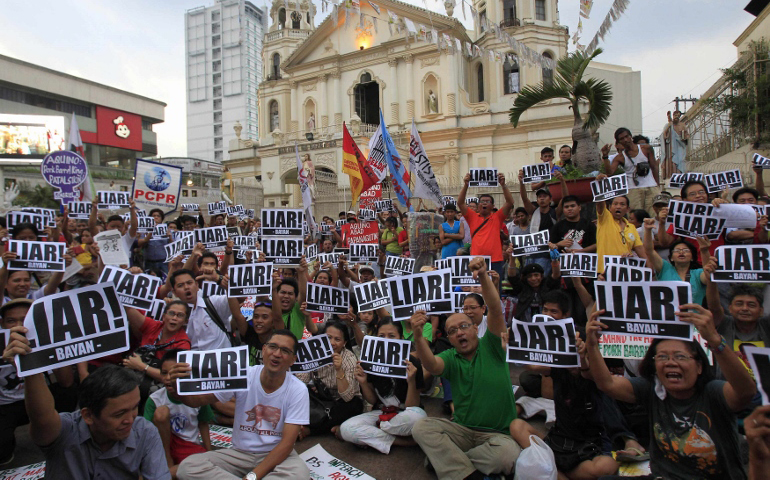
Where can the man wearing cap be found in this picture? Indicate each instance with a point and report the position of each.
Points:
(659, 204)
(543, 216)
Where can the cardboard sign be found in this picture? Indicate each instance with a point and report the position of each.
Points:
(635, 348)
(134, 290)
(183, 246)
(73, 327)
(610, 187)
(458, 300)
(211, 237)
(759, 360)
(145, 224)
(15, 218)
(449, 200)
(469, 200)
(323, 466)
(284, 252)
(334, 258)
(716, 182)
(360, 232)
(311, 252)
(693, 220)
(250, 279)
(366, 214)
(112, 248)
(371, 295)
(363, 252)
(244, 242)
(385, 205)
(396, 266)
(461, 273)
(550, 343)
(65, 171)
(37, 256)
(48, 213)
(210, 289)
(327, 299)
(217, 208)
(644, 309)
(679, 180)
(79, 210)
(108, 200)
(160, 230)
(539, 172)
(578, 264)
(429, 291)
(616, 272)
(192, 207)
(385, 357)
(222, 370)
(283, 222)
(742, 264)
(483, 177)
(531, 243)
(313, 353)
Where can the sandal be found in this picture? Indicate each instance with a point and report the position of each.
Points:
(625, 457)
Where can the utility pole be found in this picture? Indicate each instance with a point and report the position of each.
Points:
(685, 101)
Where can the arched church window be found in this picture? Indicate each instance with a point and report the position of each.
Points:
(480, 82)
(275, 119)
(281, 18)
(511, 77)
(547, 72)
(276, 74)
(296, 17)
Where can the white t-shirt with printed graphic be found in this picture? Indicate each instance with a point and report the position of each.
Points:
(184, 419)
(259, 416)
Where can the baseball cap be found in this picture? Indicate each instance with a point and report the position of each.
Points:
(531, 268)
(661, 198)
(543, 191)
(16, 302)
(351, 212)
(365, 267)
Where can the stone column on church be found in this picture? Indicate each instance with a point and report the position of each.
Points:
(393, 87)
(293, 123)
(337, 108)
(451, 84)
(322, 103)
(410, 113)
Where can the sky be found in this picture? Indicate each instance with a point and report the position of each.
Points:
(138, 46)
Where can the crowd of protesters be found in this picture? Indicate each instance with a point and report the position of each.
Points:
(689, 413)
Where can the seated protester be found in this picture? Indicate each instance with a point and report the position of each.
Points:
(154, 246)
(396, 402)
(692, 420)
(179, 426)
(116, 222)
(12, 410)
(474, 308)
(530, 287)
(742, 236)
(105, 438)
(576, 436)
(327, 276)
(681, 265)
(451, 232)
(261, 328)
(614, 234)
(477, 442)
(288, 297)
(573, 234)
(334, 382)
(268, 418)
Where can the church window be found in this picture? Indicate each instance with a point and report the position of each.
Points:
(480, 82)
(540, 10)
(281, 18)
(276, 74)
(547, 72)
(296, 17)
(509, 12)
(367, 100)
(511, 78)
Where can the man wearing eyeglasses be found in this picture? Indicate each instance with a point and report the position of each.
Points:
(615, 235)
(268, 418)
(477, 443)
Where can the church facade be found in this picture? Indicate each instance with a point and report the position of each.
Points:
(411, 63)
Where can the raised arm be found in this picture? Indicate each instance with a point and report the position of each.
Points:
(275, 301)
(302, 280)
(712, 293)
(238, 320)
(182, 370)
(93, 215)
(650, 154)
(495, 322)
(133, 225)
(649, 245)
(228, 258)
(600, 205)
(618, 388)
(508, 205)
(463, 192)
(135, 321)
(528, 205)
(432, 363)
(760, 182)
(664, 239)
(564, 192)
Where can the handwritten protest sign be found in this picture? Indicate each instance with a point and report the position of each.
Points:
(371, 295)
(222, 370)
(73, 327)
(546, 343)
(313, 353)
(539, 172)
(742, 263)
(323, 466)
(385, 357)
(327, 299)
(578, 264)
(610, 187)
(134, 290)
(36, 471)
(37, 256)
(531, 243)
(429, 291)
(250, 279)
(112, 248)
(65, 171)
(483, 177)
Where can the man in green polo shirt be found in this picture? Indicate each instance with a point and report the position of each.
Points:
(477, 443)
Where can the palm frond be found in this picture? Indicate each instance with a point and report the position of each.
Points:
(532, 95)
(584, 64)
(599, 96)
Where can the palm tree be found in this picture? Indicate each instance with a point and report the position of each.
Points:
(568, 83)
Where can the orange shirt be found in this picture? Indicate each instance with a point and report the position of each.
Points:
(487, 240)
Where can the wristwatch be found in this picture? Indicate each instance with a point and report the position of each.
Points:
(251, 476)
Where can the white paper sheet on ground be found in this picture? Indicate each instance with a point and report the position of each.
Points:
(532, 406)
(325, 467)
(737, 216)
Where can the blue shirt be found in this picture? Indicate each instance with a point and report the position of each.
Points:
(450, 249)
(668, 273)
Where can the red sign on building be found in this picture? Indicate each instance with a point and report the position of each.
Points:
(118, 129)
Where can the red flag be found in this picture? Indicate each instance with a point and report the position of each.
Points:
(362, 177)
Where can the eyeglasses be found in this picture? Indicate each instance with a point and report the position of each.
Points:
(176, 314)
(678, 357)
(453, 331)
(695, 194)
(681, 250)
(274, 347)
(263, 304)
(471, 307)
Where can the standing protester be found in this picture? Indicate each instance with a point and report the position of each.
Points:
(615, 235)
(641, 169)
(573, 234)
(543, 216)
(451, 232)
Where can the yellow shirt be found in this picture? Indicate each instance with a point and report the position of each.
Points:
(611, 240)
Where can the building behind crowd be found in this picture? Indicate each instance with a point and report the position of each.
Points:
(347, 69)
(223, 48)
(36, 107)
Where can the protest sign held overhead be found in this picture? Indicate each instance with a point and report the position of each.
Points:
(217, 208)
(14, 218)
(65, 171)
(327, 299)
(250, 279)
(282, 222)
(469, 200)
(678, 180)
(619, 259)
(371, 295)
(366, 214)
(384, 205)
(549, 344)
(156, 310)
(333, 258)
(644, 309)
(79, 210)
(360, 232)
(222, 370)
(742, 263)
(160, 230)
(759, 360)
(37, 256)
(109, 200)
(48, 213)
(461, 272)
(112, 248)
(578, 264)
(539, 172)
(609, 187)
(339, 223)
(716, 182)
(483, 177)
(234, 210)
(425, 183)
(363, 252)
(311, 252)
(209, 288)
(244, 242)
(193, 207)
(385, 357)
(211, 237)
(531, 243)
(156, 185)
(618, 272)
(760, 161)
(134, 290)
(369, 196)
(313, 353)
(395, 266)
(448, 200)
(325, 228)
(183, 246)
(695, 219)
(145, 224)
(284, 252)
(429, 291)
(73, 327)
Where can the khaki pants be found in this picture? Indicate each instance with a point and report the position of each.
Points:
(642, 198)
(456, 451)
(231, 464)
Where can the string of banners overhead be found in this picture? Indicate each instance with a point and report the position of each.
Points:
(616, 10)
(443, 41)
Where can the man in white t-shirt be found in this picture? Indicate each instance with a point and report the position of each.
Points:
(268, 418)
(640, 166)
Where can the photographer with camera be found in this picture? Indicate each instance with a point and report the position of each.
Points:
(641, 168)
